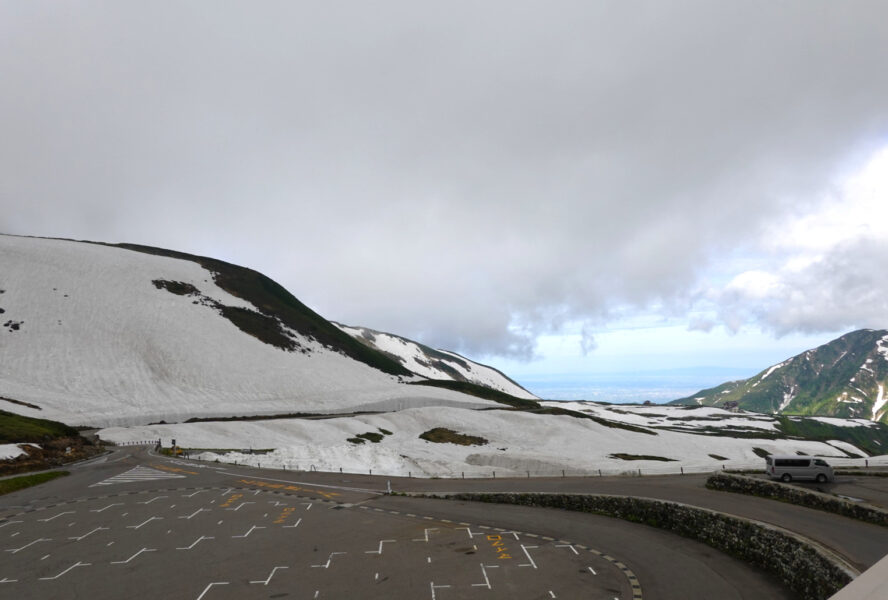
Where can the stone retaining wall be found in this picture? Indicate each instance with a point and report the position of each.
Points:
(794, 495)
(809, 573)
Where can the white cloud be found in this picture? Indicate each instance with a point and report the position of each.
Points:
(471, 175)
(823, 271)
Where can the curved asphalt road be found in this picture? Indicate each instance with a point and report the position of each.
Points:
(156, 527)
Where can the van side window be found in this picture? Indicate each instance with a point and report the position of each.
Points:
(793, 462)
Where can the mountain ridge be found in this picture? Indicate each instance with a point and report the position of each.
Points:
(436, 364)
(845, 377)
(104, 334)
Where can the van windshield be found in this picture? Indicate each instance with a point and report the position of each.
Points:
(820, 463)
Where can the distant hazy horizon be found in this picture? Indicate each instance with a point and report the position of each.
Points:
(659, 386)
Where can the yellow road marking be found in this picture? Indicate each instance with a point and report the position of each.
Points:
(231, 500)
(285, 514)
(497, 542)
(291, 488)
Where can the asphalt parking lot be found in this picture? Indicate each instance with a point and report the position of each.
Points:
(133, 524)
(238, 542)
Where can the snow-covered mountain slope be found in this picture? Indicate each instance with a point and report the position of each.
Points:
(846, 377)
(436, 364)
(104, 335)
(516, 442)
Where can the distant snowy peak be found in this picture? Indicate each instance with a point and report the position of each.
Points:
(435, 364)
(845, 378)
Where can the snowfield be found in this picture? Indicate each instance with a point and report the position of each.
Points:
(105, 336)
(96, 343)
(418, 361)
(518, 443)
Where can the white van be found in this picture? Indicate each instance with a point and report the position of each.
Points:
(787, 468)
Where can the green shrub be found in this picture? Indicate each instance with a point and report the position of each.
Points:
(442, 435)
(624, 456)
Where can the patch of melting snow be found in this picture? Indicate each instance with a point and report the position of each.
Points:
(850, 498)
(879, 403)
(9, 451)
(882, 348)
(772, 369)
(787, 398)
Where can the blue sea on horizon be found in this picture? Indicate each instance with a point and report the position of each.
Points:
(631, 388)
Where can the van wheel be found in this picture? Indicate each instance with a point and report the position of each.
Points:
(821, 478)
(786, 478)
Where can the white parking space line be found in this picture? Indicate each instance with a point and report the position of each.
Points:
(486, 579)
(567, 546)
(144, 522)
(527, 554)
(294, 526)
(10, 523)
(248, 532)
(69, 512)
(152, 500)
(199, 510)
(436, 587)
(98, 510)
(17, 550)
(74, 566)
(196, 542)
(270, 575)
(123, 562)
(381, 542)
(207, 589)
(329, 560)
(89, 533)
(426, 538)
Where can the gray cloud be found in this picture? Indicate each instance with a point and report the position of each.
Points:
(843, 289)
(472, 175)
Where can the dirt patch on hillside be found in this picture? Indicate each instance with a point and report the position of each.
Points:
(52, 453)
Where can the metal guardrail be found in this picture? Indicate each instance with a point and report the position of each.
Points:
(139, 443)
(627, 471)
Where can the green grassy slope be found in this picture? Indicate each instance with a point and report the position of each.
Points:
(16, 429)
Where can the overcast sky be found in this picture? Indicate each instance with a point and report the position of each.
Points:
(496, 178)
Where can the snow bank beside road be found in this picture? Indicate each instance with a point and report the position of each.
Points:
(518, 442)
(9, 451)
